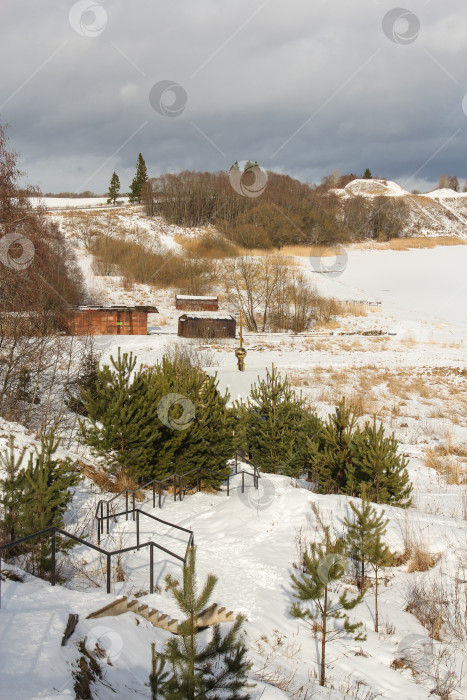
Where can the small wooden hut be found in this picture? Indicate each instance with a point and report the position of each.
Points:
(184, 302)
(110, 320)
(206, 325)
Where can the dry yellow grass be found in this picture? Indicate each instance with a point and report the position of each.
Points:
(396, 395)
(306, 251)
(412, 242)
(105, 483)
(322, 251)
(210, 245)
(295, 251)
(162, 320)
(330, 324)
(421, 559)
(448, 459)
(351, 308)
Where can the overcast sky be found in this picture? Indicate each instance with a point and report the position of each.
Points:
(304, 87)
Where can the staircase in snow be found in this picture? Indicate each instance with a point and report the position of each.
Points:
(208, 617)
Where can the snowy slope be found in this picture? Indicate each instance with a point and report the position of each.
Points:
(441, 212)
(250, 542)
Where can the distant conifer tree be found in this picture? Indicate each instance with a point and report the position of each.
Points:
(114, 189)
(160, 420)
(333, 467)
(123, 424)
(367, 174)
(138, 181)
(379, 556)
(202, 435)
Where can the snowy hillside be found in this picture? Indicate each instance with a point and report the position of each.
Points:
(251, 542)
(442, 212)
(403, 360)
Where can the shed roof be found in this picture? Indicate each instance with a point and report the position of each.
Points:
(202, 315)
(196, 298)
(96, 307)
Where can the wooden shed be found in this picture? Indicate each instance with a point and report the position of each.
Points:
(110, 320)
(206, 326)
(184, 302)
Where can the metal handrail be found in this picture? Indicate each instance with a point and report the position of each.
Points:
(100, 517)
(256, 477)
(126, 492)
(53, 531)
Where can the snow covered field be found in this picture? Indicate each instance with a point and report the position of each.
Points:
(76, 202)
(413, 376)
(427, 285)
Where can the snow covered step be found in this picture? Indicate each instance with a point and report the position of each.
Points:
(210, 616)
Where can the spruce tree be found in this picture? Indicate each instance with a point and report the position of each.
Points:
(138, 181)
(383, 470)
(367, 174)
(114, 189)
(185, 670)
(324, 567)
(362, 533)
(11, 491)
(275, 425)
(46, 484)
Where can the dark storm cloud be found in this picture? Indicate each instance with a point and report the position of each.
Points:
(302, 87)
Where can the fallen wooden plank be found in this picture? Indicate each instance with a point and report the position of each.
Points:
(70, 627)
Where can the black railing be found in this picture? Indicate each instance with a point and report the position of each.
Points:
(177, 480)
(255, 474)
(53, 531)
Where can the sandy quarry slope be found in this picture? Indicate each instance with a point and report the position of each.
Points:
(442, 212)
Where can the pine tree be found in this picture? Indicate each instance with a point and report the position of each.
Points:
(205, 436)
(164, 419)
(312, 430)
(114, 189)
(138, 181)
(367, 174)
(11, 490)
(362, 533)
(379, 556)
(158, 676)
(325, 566)
(46, 484)
(333, 466)
(87, 377)
(216, 672)
(379, 465)
(123, 424)
(275, 429)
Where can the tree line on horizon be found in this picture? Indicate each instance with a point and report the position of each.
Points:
(288, 212)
